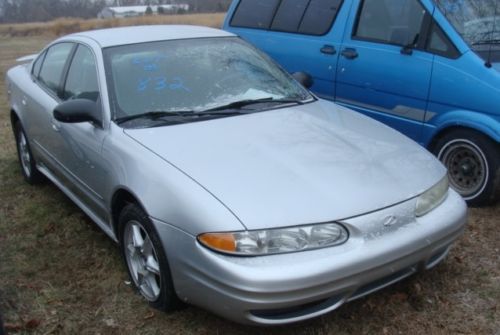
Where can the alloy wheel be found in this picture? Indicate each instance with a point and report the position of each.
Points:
(142, 260)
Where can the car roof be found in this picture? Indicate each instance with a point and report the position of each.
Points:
(141, 34)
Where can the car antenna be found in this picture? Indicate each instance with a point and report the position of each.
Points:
(488, 61)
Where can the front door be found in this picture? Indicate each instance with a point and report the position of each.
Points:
(382, 70)
(79, 144)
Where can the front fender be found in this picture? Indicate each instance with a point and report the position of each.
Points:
(484, 123)
(164, 191)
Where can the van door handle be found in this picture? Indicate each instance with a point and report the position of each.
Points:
(328, 50)
(350, 53)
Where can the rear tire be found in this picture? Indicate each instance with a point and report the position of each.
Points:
(26, 159)
(473, 163)
(146, 261)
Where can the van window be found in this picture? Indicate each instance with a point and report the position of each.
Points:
(319, 16)
(255, 13)
(390, 21)
(311, 17)
(439, 44)
(289, 15)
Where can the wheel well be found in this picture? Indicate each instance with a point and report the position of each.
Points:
(13, 118)
(448, 130)
(121, 198)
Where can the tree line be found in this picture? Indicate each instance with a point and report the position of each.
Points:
(45, 10)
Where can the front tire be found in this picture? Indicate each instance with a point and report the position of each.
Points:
(146, 260)
(26, 159)
(473, 163)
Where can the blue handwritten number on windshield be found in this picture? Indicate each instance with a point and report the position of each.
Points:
(161, 83)
(143, 84)
(178, 84)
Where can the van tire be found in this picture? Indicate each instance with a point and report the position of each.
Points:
(473, 163)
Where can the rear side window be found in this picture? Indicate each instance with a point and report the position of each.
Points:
(53, 66)
(311, 17)
(319, 16)
(38, 65)
(289, 15)
(390, 21)
(255, 13)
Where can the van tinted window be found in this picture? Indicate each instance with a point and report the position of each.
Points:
(439, 44)
(390, 21)
(319, 17)
(312, 17)
(255, 13)
(289, 15)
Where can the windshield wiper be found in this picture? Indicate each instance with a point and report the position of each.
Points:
(152, 115)
(157, 115)
(248, 102)
(224, 110)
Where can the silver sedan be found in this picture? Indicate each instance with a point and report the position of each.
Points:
(226, 183)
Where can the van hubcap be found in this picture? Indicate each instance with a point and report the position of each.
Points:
(466, 167)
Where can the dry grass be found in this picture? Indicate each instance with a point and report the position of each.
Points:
(59, 274)
(67, 25)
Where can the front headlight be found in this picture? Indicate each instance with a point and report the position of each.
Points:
(432, 198)
(276, 241)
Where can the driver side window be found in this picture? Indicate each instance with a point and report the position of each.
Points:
(81, 82)
(390, 21)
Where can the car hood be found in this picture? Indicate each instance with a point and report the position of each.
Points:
(317, 162)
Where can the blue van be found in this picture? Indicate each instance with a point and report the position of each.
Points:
(428, 68)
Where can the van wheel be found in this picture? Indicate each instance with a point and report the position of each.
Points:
(146, 260)
(473, 163)
(26, 159)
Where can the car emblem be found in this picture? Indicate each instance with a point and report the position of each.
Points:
(390, 221)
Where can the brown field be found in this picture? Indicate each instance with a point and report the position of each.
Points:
(69, 25)
(59, 274)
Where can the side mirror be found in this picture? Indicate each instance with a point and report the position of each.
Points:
(77, 111)
(305, 79)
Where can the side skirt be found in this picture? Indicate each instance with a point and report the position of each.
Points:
(105, 227)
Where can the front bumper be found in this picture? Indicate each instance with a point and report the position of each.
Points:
(384, 247)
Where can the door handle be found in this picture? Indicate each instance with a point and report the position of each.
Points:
(55, 126)
(350, 53)
(328, 50)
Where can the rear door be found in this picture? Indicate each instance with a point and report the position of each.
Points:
(384, 70)
(301, 35)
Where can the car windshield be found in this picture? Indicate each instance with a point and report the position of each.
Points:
(172, 78)
(475, 20)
